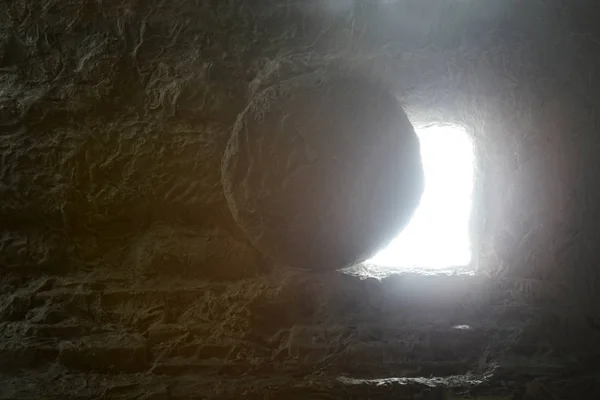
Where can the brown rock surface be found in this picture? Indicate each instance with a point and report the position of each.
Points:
(123, 275)
(322, 170)
(288, 333)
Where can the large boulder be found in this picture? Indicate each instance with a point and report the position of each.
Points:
(322, 170)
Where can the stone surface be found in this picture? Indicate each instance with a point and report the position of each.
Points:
(285, 336)
(117, 247)
(105, 353)
(322, 170)
(183, 252)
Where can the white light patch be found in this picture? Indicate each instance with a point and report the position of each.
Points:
(437, 237)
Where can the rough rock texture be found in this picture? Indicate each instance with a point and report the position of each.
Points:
(123, 274)
(322, 170)
(90, 336)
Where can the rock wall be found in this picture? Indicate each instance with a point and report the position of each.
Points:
(123, 275)
(97, 335)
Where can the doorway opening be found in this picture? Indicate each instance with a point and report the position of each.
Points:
(437, 237)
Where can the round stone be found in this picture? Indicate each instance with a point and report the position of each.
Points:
(322, 170)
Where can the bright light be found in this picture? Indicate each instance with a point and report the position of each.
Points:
(437, 237)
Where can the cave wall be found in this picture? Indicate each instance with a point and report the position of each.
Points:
(113, 119)
(115, 116)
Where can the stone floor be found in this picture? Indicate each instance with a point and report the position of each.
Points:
(290, 335)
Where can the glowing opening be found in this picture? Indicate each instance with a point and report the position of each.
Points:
(437, 237)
